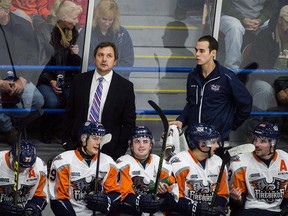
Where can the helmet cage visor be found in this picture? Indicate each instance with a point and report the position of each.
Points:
(271, 141)
(209, 142)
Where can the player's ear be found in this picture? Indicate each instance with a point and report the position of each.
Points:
(83, 139)
(214, 52)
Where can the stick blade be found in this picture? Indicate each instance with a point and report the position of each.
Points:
(244, 148)
(160, 113)
(105, 139)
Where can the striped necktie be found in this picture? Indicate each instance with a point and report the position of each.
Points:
(95, 109)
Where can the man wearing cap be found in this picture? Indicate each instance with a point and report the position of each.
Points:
(17, 42)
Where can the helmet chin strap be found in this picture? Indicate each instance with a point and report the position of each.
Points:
(270, 152)
(208, 152)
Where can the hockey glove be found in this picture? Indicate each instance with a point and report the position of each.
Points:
(98, 202)
(147, 203)
(31, 209)
(205, 209)
(9, 208)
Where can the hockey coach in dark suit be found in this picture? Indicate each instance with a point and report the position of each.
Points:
(104, 96)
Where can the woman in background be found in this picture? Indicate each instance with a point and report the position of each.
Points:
(107, 28)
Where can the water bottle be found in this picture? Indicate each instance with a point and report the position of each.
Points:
(60, 80)
(10, 76)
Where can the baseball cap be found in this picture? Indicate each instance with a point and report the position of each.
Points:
(284, 13)
(5, 4)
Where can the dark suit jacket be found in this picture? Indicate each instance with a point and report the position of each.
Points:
(118, 115)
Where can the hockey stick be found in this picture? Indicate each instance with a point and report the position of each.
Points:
(16, 169)
(244, 148)
(105, 139)
(162, 153)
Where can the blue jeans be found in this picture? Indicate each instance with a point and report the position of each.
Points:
(31, 98)
(234, 32)
(52, 100)
(263, 94)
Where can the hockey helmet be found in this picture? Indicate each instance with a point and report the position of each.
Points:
(267, 130)
(91, 128)
(142, 131)
(27, 153)
(203, 132)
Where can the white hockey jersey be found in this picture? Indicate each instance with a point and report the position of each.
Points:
(72, 178)
(195, 182)
(265, 186)
(32, 181)
(136, 179)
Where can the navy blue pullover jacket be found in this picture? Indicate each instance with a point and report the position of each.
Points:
(220, 99)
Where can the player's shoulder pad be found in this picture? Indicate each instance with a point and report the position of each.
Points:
(124, 161)
(106, 158)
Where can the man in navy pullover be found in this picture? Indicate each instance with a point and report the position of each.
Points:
(215, 95)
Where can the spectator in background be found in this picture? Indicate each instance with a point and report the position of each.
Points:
(270, 56)
(43, 35)
(240, 17)
(81, 17)
(63, 39)
(16, 37)
(106, 27)
(35, 11)
(274, 37)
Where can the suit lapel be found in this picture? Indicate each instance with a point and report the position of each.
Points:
(86, 88)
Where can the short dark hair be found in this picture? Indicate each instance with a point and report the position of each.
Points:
(213, 43)
(106, 44)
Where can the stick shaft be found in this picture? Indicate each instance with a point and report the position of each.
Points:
(162, 154)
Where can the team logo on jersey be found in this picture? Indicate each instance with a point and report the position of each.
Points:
(198, 191)
(234, 158)
(7, 193)
(215, 88)
(58, 157)
(140, 186)
(84, 186)
(175, 160)
(269, 192)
